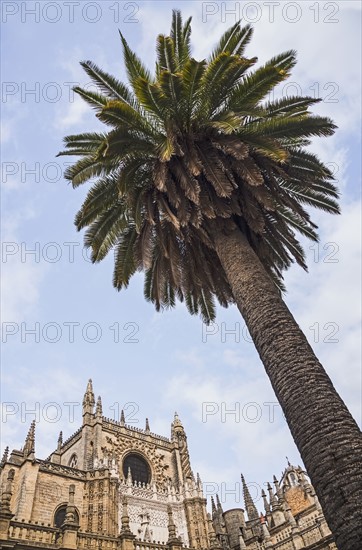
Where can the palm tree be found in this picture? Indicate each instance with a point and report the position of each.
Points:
(202, 184)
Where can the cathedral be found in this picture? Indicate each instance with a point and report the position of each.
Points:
(111, 486)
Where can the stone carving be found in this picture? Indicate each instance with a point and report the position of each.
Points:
(120, 446)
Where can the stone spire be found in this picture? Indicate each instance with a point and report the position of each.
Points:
(219, 507)
(70, 524)
(213, 507)
(60, 441)
(178, 435)
(277, 488)
(266, 503)
(214, 543)
(249, 504)
(129, 479)
(122, 420)
(5, 457)
(265, 533)
(176, 426)
(5, 511)
(272, 499)
(88, 399)
(29, 446)
(276, 507)
(147, 425)
(99, 410)
(7, 493)
(171, 525)
(125, 529)
(199, 485)
(70, 512)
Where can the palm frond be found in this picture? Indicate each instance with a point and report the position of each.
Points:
(233, 41)
(134, 66)
(180, 34)
(109, 85)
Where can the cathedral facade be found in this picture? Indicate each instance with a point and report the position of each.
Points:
(111, 486)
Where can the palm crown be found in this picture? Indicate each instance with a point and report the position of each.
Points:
(196, 149)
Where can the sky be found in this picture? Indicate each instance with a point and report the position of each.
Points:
(62, 320)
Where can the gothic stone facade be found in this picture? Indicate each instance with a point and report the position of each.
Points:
(111, 486)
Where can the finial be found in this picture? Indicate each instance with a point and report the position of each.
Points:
(125, 518)
(176, 420)
(89, 395)
(5, 456)
(171, 526)
(265, 530)
(219, 507)
(122, 421)
(249, 503)
(70, 519)
(60, 441)
(71, 493)
(29, 447)
(277, 488)
(266, 503)
(212, 534)
(129, 476)
(213, 507)
(7, 493)
(147, 425)
(99, 407)
(272, 499)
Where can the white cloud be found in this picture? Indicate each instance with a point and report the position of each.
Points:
(22, 276)
(242, 432)
(45, 399)
(327, 300)
(6, 131)
(73, 115)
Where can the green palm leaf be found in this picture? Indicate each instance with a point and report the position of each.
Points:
(194, 149)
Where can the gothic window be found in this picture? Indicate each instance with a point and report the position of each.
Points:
(292, 479)
(73, 461)
(59, 515)
(140, 469)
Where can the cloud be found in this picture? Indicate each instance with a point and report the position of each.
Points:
(236, 428)
(324, 301)
(45, 399)
(22, 276)
(73, 115)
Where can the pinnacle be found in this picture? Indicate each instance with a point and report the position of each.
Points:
(249, 503)
(99, 406)
(5, 456)
(29, 446)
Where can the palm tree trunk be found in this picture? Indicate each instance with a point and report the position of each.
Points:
(328, 438)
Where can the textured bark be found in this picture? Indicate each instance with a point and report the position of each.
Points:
(328, 438)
